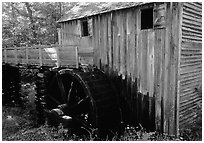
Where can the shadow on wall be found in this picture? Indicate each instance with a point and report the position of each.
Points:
(136, 107)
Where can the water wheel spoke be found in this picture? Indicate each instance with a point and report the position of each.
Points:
(56, 101)
(69, 93)
(61, 86)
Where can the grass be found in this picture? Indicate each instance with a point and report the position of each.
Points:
(19, 124)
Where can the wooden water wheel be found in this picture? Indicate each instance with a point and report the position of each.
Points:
(87, 97)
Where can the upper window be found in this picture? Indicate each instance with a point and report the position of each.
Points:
(84, 28)
(147, 18)
(160, 16)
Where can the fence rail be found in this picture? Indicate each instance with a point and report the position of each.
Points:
(55, 55)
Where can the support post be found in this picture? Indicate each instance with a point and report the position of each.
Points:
(40, 56)
(59, 36)
(27, 55)
(77, 58)
(15, 55)
(58, 58)
(5, 55)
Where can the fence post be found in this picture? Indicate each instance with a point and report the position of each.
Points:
(59, 36)
(27, 55)
(15, 55)
(40, 56)
(5, 55)
(77, 58)
(58, 58)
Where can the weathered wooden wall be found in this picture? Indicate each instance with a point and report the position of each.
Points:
(190, 64)
(146, 60)
(70, 34)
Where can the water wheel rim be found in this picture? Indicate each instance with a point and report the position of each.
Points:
(72, 72)
(57, 75)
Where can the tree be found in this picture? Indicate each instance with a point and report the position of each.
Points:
(27, 23)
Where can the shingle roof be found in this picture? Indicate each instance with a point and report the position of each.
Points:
(92, 8)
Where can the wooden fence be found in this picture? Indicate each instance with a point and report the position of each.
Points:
(54, 56)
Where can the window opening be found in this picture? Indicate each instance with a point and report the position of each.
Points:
(84, 28)
(147, 18)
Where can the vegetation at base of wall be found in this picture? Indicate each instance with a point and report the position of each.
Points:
(19, 124)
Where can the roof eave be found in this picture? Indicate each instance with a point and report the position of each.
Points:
(139, 4)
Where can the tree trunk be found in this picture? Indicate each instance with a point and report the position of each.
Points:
(32, 23)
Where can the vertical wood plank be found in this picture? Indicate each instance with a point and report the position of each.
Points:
(138, 50)
(165, 91)
(101, 48)
(114, 38)
(177, 84)
(107, 51)
(148, 66)
(159, 75)
(125, 48)
(139, 62)
(156, 85)
(120, 42)
(111, 41)
(171, 75)
(95, 34)
(94, 40)
(119, 55)
(156, 80)
(161, 80)
(117, 43)
(150, 79)
(109, 31)
(144, 60)
(128, 48)
(167, 87)
(151, 64)
(99, 41)
(128, 54)
(174, 51)
(135, 66)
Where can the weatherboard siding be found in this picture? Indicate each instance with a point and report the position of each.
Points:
(190, 64)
